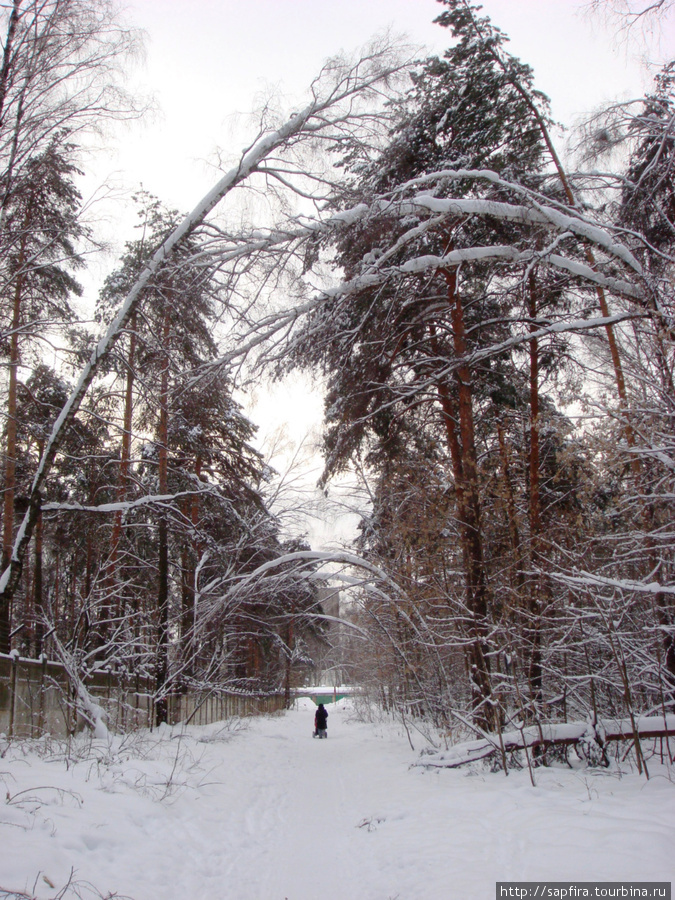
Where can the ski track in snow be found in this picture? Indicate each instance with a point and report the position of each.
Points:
(273, 815)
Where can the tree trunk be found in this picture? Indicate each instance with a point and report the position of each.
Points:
(8, 64)
(10, 443)
(187, 598)
(188, 568)
(511, 515)
(161, 706)
(472, 539)
(533, 629)
(163, 548)
(449, 414)
(288, 667)
(125, 461)
(38, 599)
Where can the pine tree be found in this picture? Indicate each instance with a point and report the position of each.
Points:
(409, 340)
(42, 228)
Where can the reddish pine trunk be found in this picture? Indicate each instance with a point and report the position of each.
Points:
(188, 568)
(288, 667)
(472, 539)
(187, 595)
(110, 578)
(10, 442)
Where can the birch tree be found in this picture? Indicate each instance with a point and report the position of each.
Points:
(41, 223)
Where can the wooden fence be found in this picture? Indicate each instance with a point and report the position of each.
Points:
(36, 698)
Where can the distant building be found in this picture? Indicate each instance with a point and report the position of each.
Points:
(330, 601)
(324, 649)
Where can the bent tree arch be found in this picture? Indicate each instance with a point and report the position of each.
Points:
(334, 115)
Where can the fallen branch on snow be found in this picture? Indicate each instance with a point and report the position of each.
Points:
(551, 735)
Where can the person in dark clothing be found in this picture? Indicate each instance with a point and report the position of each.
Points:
(321, 722)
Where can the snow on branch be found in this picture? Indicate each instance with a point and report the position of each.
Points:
(471, 254)
(435, 212)
(536, 215)
(589, 579)
(539, 210)
(561, 216)
(121, 506)
(552, 328)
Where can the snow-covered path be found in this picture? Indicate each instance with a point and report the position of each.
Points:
(273, 814)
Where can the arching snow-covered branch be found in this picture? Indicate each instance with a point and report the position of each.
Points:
(427, 263)
(339, 557)
(334, 113)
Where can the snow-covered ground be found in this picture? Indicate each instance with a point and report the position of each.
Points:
(267, 813)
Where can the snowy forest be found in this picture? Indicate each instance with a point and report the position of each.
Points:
(492, 314)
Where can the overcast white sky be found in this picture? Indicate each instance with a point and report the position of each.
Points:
(209, 60)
